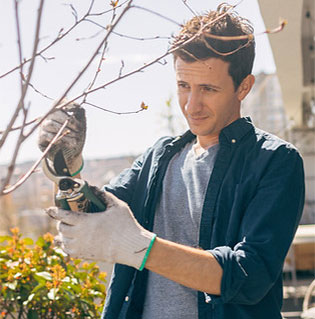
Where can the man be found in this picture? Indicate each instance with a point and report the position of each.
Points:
(216, 208)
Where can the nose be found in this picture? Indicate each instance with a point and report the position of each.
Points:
(193, 103)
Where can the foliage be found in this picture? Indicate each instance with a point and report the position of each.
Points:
(40, 281)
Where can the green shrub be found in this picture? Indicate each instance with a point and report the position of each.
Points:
(40, 281)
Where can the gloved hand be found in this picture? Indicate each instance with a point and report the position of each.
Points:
(114, 235)
(72, 143)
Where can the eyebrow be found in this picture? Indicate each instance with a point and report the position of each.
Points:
(210, 85)
(203, 85)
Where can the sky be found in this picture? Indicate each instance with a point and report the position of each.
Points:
(108, 135)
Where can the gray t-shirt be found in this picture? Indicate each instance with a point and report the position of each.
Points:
(177, 219)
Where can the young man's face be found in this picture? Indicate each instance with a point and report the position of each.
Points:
(207, 97)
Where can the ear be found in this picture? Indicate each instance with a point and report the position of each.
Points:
(245, 87)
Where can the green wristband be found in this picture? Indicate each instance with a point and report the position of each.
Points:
(79, 170)
(147, 253)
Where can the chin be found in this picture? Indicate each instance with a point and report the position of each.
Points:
(198, 131)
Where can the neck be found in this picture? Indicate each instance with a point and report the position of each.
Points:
(203, 143)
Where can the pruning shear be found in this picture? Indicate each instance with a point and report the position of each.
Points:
(73, 193)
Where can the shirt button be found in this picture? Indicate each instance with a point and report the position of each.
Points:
(233, 140)
(127, 298)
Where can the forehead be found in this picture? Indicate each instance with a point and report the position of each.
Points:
(210, 70)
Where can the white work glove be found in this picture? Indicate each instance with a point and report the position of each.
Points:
(113, 236)
(72, 143)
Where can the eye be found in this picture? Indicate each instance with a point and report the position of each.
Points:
(208, 89)
(182, 85)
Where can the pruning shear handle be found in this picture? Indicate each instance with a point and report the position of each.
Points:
(73, 193)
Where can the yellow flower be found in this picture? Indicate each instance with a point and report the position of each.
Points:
(58, 273)
(48, 237)
(15, 230)
(85, 265)
(102, 275)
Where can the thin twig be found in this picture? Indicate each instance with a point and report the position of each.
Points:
(114, 112)
(59, 37)
(125, 35)
(141, 38)
(226, 53)
(158, 14)
(189, 8)
(26, 124)
(15, 153)
(99, 66)
(122, 66)
(57, 137)
(40, 93)
(59, 101)
(19, 40)
(107, 11)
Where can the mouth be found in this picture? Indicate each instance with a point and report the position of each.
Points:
(197, 119)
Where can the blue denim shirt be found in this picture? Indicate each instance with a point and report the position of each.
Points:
(253, 205)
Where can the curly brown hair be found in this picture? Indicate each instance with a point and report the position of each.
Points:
(202, 36)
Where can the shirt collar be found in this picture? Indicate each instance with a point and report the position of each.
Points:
(235, 131)
(230, 134)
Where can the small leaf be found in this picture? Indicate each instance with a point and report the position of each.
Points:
(43, 275)
(144, 106)
(32, 314)
(29, 299)
(28, 241)
(38, 287)
(5, 238)
(52, 293)
(11, 285)
(40, 242)
(114, 3)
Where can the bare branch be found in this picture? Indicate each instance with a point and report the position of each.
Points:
(99, 67)
(124, 35)
(158, 14)
(143, 107)
(189, 8)
(61, 35)
(74, 12)
(142, 39)
(122, 66)
(15, 154)
(39, 92)
(6, 190)
(107, 11)
(30, 71)
(59, 101)
(26, 124)
(19, 41)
